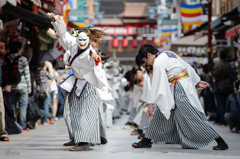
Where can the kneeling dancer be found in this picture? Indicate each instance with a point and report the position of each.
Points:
(179, 118)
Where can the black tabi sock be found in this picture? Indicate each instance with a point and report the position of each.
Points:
(82, 143)
(219, 140)
(140, 131)
(146, 140)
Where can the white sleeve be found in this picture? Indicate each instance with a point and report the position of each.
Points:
(67, 40)
(192, 73)
(160, 92)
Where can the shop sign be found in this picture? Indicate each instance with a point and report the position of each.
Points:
(169, 22)
(192, 50)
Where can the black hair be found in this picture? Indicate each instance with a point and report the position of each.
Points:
(128, 75)
(139, 61)
(132, 79)
(15, 46)
(6, 82)
(223, 55)
(147, 48)
(237, 84)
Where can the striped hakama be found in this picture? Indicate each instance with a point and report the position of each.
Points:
(82, 116)
(186, 126)
(145, 121)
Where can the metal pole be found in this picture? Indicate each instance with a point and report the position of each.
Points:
(209, 49)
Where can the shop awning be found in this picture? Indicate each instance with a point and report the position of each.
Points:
(231, 32)
(216, 22)
(188, 45)
(27, 16)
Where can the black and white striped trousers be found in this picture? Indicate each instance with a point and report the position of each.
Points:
(187, 126)
(82, 116)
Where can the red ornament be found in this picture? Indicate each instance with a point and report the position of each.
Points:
(115, 42)
(134, 42)
(125, 42)
(144, 41)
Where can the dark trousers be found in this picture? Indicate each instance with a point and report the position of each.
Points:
(221, 100)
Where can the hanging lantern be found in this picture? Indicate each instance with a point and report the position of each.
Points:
(125, 42)
(86, 8)
(96, 6)
(115, 42)
(134, 42)
(151, 14)
(144, 41)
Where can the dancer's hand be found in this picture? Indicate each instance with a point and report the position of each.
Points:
(149, 111)
(95, 56)
(203, 84)
(52, 15)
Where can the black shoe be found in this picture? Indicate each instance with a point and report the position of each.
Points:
(141, 136)
(70, 143)
(221, 146)
(29, 125)
(144, 143)
(128, 123)
(134, 125)
(103, 141)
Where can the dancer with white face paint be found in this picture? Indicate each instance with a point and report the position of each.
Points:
(79, 89)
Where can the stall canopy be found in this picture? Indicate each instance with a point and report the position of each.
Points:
(191, 45)
(27, 16)
(232, 32)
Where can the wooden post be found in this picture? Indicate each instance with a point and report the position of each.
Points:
(209, 49)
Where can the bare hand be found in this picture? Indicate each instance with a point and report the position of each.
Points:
(149, 111)
(95, 56)
(29, 91)
(52, 15)
(203, 84)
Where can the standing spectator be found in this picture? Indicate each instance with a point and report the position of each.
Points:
(232, 115)
(3, 132)
(41, 77)
(21, 90)
(209, 101)
(223, 85)
(12, 127)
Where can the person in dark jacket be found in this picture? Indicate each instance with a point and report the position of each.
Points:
(11, 126)
(232, 115)
(223, 85)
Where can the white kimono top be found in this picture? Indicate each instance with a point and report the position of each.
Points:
(165, 66)
(146, 88)
(137, 93)
(83, 67)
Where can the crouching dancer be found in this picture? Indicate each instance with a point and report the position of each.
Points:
(179, 118)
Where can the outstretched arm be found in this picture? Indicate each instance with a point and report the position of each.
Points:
(67, 40)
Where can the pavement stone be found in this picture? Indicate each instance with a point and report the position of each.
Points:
(45, 142)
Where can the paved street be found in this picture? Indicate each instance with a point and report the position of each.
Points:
(46, 143)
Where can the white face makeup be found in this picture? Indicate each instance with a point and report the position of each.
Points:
(83, 40)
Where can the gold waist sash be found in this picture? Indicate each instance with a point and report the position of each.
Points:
(181, 75)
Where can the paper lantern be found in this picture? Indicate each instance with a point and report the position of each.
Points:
(115, 42)
(134, 42)
(144, 41)
(125, 42)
